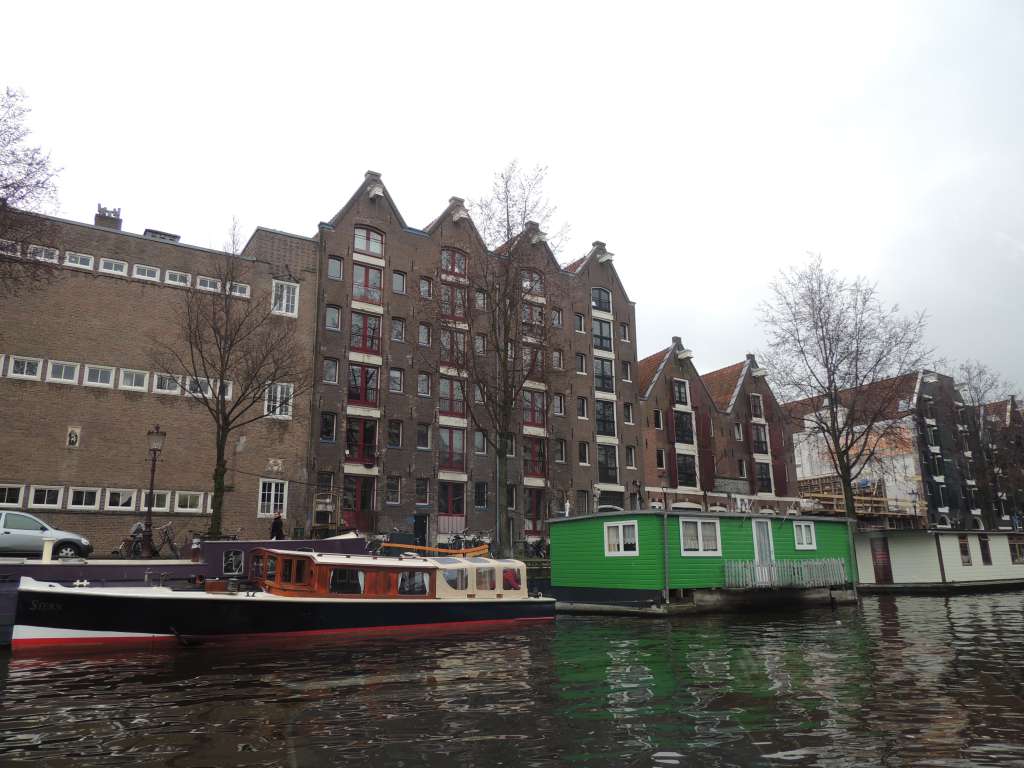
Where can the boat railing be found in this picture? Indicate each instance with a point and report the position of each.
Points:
(749, 574)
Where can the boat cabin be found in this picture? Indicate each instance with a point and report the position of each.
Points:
(313, 574)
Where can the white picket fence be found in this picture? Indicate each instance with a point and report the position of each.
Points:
(747, 574)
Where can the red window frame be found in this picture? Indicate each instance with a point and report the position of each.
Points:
(366, 283)
(364, 389)
(453, 302)
(453, 347)
(534, 462)
(534, 408)
(449, 439)
(361, 440)
(533, 362)
(450, 497)
(451, 397)
(365, 337)
(369, 236)
(453, 262)
(533, 314)
(533, 282)
(534, 512)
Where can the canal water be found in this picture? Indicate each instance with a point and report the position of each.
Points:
(894, 681)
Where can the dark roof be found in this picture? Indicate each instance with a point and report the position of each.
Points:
(722, 384)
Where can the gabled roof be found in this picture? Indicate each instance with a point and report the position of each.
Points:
(370, 180)
(724, 384)
(649, 368)
(456, 208)
(897, 393)
(598, 251)
(535, 236)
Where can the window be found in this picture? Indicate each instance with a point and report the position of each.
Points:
(78, 260)
(451, 499)
(686, 470)
(581, 363)
(583, 454)
(756, 407)
(453, 347)
(347, 581)
(556, 359)
(623, 331)
(627, 413)
(369, 241)
(161, 501)
(481, 299)
(684, 427)
(395, 380)
(680, 392)
(394, 433)
(659, 458)
(423, 436)
(451, 397)
(986, 551)
(210, 284)
(334, 268)
(601, 330)
(328, 427)
(118, 498)
(558, 405)
(146, 272)
(556, 317)
(627, 370)
(737, 432)
(188, 501)
(560, 450)
(699, 538)
(423, 384)
(601, 299)
(581, 408)
(479, 344)
(533, 282)
(422, 490)
(479, 496)
(533, 457)
(607, 464)
(239, 290)
(99, 376)
(273, 497)
(620, 538)
(330, 370)
(533, 408)
(533, 315)
(658, 423)
(366, 283)
(398, 282)
(361, 440)
(965, 551)
(604, 375)
(84, 498)
(365, 333)
(10, 248)
(631, 457)
(278, 404)
(1016, 543)
(62, 373)
(397, 329)
(426, 287)
(423, 336)
(604, 417)
(45, 497)
(10, 496)
(363, 384)
(285, 299)
(510, 496)
(510, 445)
(478, 393)
(114, 267)
(166, 384)
(764, 477)
(393, 490)
(453, 263)
(742, 468)
(451, 448)
(485, 579)
(803, 535)
(759, 434)
(480, 442)
(199, 388)
(332, 318)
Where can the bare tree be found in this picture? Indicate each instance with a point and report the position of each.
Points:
(843, 354)
(27, 186)
(237, 358)
(516, 197)
(980, 384)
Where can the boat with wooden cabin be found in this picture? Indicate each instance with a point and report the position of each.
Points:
(287, 593)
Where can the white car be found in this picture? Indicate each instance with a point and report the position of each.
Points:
(22, 534)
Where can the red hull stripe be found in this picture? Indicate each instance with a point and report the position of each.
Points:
(151, 640)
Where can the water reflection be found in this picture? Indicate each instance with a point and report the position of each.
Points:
(896, 681)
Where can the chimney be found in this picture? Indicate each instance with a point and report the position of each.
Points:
(677, 342)
(107, 217)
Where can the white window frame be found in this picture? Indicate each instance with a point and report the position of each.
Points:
(272, 481)
(52, 380)
(137, 273)
(475, 451)
(120, 507)
(87, 383)
(387, 490)
(276, 414)
(401, 379)
(283, 309)
(659, 453)
(27, 377)
(630, 457)
(808, 528)
(229, 388)
(239, 290)
(177, 381)
(737, 432)
(620, 525)
(659, 419)
(165, 507)
(129, 387)
(79, 260)
(212, 284)
(701, 552)
(203, 392)
(627, 372)
(627, 419)
(21, 496)
(558, 404)
(323, 370)
(10, 248)
(84, 507)
(198, 510)
(32, 492)
(110, 266)
(169, 280)
(44, 253)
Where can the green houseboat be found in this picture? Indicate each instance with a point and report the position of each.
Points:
(680, 560)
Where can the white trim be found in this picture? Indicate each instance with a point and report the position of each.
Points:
(43, 253)
(259, 497)
(535, 482)
(364, 259)
(27, 377)
(362, 306)
(32, 493)
(357, 468)
(53, 380)
(21, 496)
(79, 260)
(365, 357)
(108, 385)
(213, 284)
(84, 507)
(294, 312)
(165, 507)
(177, 381)
(276, 413)
(154, 278)
(620, 525)
(239, 290)
(193, 510)
(120, 507)
(446, 476)
(362, 411)
(701, 552)
(116, 267)
(808, 526)
(170, 276)
(145, 380)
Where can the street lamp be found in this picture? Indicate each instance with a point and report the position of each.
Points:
(156, 444)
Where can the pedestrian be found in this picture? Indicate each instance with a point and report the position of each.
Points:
(277, 527)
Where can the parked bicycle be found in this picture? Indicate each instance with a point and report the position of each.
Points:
(163, 536)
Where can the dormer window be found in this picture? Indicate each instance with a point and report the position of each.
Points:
(368, 241)
(453, 263)
(601, 299)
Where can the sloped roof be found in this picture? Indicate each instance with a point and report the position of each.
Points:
(723, 384)
(890, 393)
(574, 266)
(649, 367)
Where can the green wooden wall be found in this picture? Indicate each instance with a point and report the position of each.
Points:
(578, 559)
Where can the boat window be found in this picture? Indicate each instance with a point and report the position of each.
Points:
(300, 571)
(286, 570)
(511, 579)
(347, 581)
(233, 562)
(485, 578)
(271, 568)
(457, 578)
(412, 583)
(256, 567)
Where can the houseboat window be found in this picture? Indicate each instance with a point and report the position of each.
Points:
(347, 581)
(286, 570)
(412, 583)
(986, 551)
(271, 568)
(620, 539)
(803, 535)
(485, 578)
(300, 571)
(965, 551)
(256, 567)
(1016, 549)
(233, 562)
(457, 578)
(511, 578)
(700, 537)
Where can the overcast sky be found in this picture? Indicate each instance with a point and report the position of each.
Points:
(708, 145)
